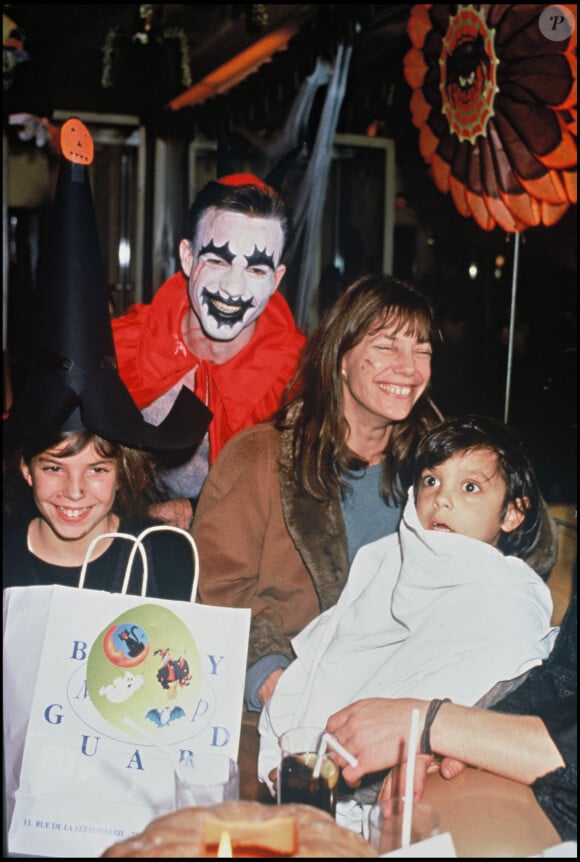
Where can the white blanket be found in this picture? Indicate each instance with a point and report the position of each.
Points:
(423, 614)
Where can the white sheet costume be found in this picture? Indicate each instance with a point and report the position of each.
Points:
(423, 614)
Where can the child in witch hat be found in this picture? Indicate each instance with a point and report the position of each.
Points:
(220, 326)
(78, 443)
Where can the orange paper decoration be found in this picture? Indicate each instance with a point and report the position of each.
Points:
(494, 99)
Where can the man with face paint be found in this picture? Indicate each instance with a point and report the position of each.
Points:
(218, 327)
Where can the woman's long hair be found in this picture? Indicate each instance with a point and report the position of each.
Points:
(137, 477)
(314, 408)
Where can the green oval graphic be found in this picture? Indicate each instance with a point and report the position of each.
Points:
(144, 670)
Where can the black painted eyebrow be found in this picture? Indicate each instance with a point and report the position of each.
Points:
(222, 251)
(258, 258)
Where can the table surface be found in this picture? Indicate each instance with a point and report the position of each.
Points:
(487, 816)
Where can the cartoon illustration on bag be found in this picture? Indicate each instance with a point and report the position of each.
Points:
(166, 674)
(122, 688)
(173, 672)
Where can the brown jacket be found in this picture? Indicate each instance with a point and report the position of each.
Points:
(265, 546)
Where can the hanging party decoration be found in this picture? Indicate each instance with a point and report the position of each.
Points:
(494, 99)
(156, 42)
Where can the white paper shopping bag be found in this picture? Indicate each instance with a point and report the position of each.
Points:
(117, 690)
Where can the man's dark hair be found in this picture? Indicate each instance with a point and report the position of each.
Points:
(260, 201)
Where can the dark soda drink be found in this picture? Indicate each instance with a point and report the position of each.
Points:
(297, 784)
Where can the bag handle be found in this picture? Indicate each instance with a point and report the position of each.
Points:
(138, 545)
(115, 535)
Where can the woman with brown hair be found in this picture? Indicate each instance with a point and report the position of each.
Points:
(288, 503)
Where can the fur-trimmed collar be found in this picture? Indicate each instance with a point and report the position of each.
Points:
(316, 528)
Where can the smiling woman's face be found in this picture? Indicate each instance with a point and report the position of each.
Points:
(233, 270)
(384, 376)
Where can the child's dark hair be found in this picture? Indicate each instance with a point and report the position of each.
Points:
(465, 433)
(137, 477)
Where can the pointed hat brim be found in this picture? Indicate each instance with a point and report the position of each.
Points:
(48, 404)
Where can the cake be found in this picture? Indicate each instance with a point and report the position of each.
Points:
(254, 830)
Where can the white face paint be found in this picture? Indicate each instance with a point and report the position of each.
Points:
(233, 270)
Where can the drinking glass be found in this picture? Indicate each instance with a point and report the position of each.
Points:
(296, 782)
(385, 824)
(206, 779)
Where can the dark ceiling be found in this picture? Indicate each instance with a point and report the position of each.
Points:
(67, 70)
(69, 67)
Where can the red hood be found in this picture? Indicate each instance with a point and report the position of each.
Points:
(152, 357)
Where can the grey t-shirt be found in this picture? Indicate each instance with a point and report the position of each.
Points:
(366, 515)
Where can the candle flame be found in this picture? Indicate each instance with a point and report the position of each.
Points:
(225, 847)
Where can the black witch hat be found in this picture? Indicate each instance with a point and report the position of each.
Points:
(74, 383)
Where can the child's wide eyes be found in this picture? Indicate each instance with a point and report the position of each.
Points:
(471, 487)
(429, 481)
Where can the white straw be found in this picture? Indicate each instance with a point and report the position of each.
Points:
(328, 741)
(334, 743)
(411, 757)
(319, 756)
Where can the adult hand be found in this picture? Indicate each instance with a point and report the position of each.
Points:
(176, 513)
(375, 731)
(267, 689)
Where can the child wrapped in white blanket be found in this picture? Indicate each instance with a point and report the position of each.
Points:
(425, 613)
